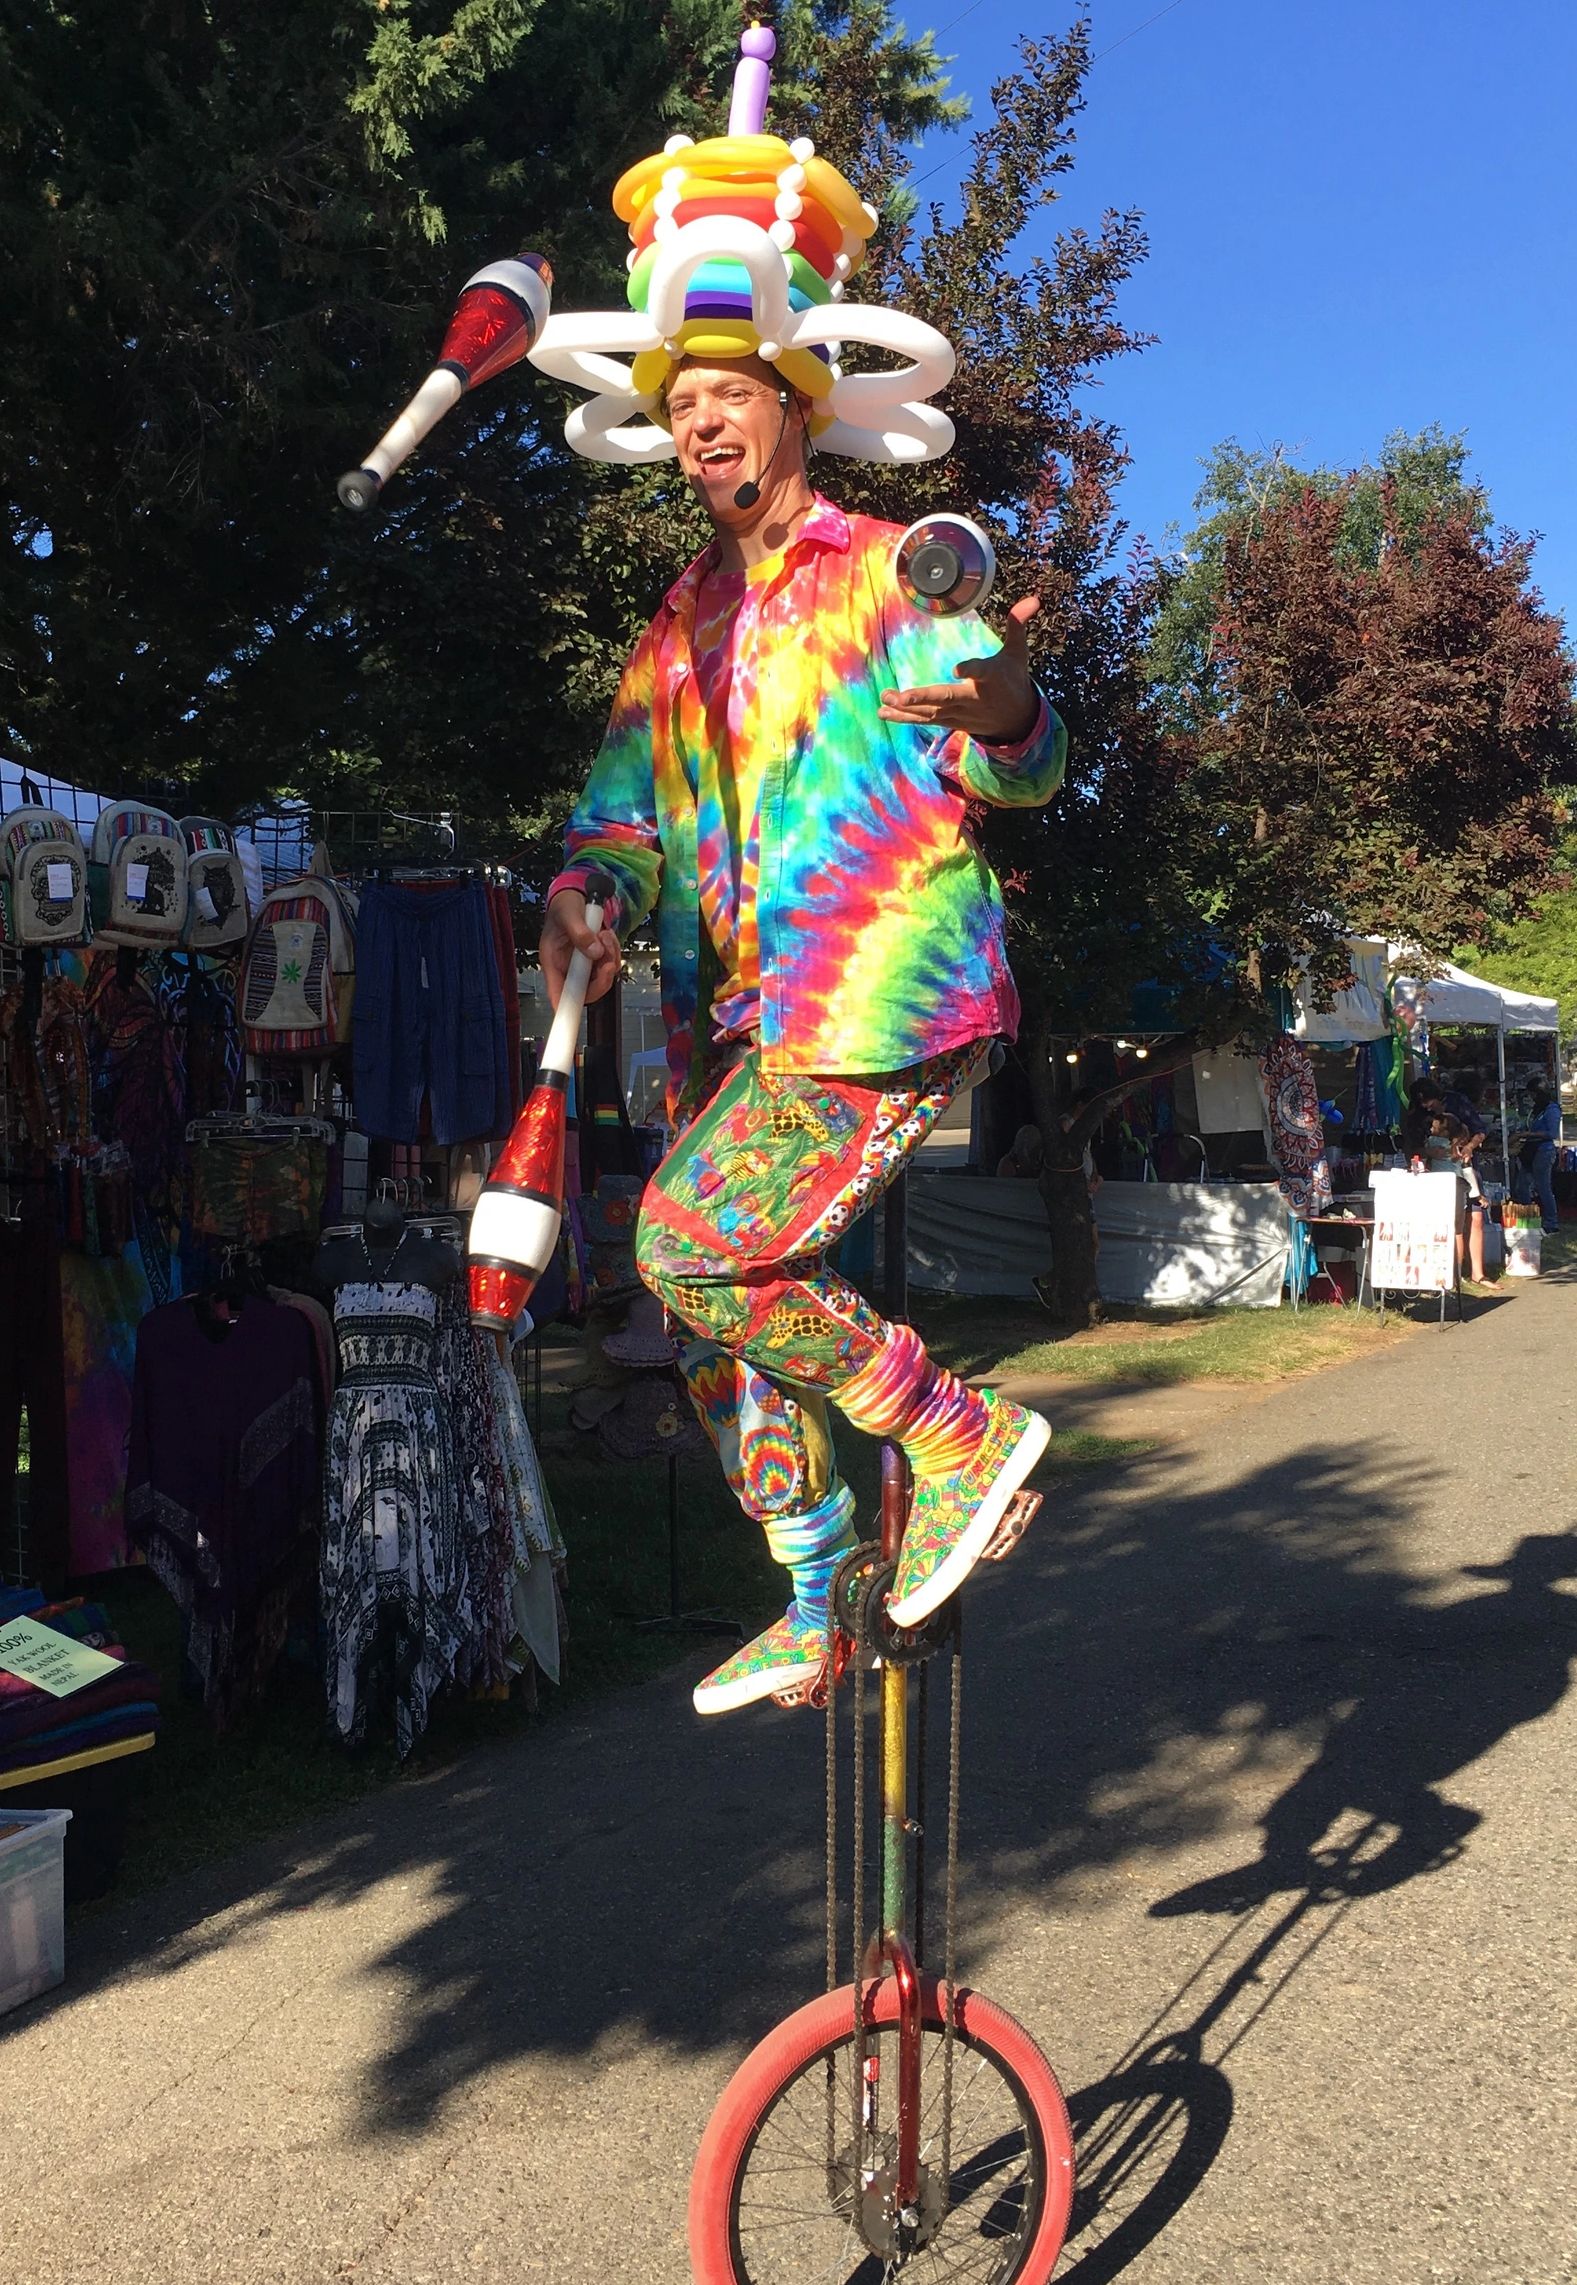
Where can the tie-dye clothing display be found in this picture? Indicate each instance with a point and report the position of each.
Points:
(102, 1303)
(736, 1227)
(878, 920)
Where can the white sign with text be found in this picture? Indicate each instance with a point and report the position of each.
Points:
(1415, 1232)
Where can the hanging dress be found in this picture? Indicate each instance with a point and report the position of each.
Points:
(538, 1549)
(394, 1572)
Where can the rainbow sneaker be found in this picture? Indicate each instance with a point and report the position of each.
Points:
(955, 1518)
(782, 1663)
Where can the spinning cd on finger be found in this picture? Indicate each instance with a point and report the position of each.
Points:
(945, 564)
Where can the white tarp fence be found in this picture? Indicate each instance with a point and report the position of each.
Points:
(70, 800)
(1192, 1243)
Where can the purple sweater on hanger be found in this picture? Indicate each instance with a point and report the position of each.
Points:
(222, 1486)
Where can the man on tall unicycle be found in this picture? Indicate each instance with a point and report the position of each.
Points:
(784, 783)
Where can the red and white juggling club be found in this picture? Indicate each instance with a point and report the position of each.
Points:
(498, 316)
(515, 1225)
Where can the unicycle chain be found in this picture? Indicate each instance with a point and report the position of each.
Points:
(798, 2175)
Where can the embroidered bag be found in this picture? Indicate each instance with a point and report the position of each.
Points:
(137, 878)
(298, 975)
(216, 907)
(43, 876)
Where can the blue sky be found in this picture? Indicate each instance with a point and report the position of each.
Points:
(1361, 218)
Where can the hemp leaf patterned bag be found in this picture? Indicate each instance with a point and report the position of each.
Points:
(299, 972)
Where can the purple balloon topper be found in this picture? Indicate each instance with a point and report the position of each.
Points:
(747, 113)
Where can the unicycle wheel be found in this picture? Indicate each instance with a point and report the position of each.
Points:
(778, 2198)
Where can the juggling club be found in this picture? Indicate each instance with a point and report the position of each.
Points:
(498, 316)
(515, 1225)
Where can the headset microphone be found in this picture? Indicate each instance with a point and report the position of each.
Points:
(750, 492)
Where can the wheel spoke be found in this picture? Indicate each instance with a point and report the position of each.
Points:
(791, 2224)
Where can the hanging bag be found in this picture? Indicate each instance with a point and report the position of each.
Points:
(43, 876)
(216, 906)
(298, 975)
(137, 878)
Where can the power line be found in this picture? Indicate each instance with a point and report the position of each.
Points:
(1095, 59)
(1138, 28)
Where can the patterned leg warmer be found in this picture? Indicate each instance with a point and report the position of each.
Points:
(939, 1422)
(810, 1547)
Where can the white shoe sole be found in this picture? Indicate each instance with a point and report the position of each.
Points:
(951, 1573)
(751, 1687)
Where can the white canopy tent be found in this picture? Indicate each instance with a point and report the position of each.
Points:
(1453, 998)
(1458, 998)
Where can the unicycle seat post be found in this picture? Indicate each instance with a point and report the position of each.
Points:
(897, 1488)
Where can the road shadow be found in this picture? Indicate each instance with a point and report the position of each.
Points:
(1150, 2129)
(1412, 1728)
(634, 1877)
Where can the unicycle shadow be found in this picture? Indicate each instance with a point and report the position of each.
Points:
(1145, 2137)
(1147, 2134)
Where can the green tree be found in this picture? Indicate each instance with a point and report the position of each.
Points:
(1356, 709)
(228, 238)
(1538, 953)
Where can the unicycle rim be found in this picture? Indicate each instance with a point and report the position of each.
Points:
(799, 2047)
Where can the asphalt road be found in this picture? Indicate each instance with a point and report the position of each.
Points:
(1269, 1837)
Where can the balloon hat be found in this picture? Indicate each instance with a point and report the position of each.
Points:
(742, 246)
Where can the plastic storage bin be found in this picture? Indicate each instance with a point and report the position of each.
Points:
(32, 1903)
(1523, 1248)
(99, 1799)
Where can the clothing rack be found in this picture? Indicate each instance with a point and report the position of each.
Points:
(440, 1222)
(262, 1125)
(397, 874)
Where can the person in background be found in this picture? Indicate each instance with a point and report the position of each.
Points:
(1537, 1157)
(1453, 1103)
(1024, 1157)
(1461, 1149)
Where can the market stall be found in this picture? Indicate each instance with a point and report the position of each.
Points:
(248, 1091)
(1520, 1030)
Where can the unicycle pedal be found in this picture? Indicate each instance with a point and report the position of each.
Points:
(1017, 1517)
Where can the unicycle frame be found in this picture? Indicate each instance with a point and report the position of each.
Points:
(894, 1944)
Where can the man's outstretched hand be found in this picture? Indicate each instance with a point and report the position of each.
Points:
(565, 932)
(992, 700)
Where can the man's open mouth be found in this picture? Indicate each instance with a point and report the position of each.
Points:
(720, 456)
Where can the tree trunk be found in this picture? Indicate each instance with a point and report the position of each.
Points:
(1069, 1289)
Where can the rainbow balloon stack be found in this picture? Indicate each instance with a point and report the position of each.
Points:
(811, 214)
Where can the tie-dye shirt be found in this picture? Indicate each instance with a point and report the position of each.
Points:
(730, 775)
(879, 922)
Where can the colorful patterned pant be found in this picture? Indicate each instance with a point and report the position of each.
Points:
(736, 1226)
